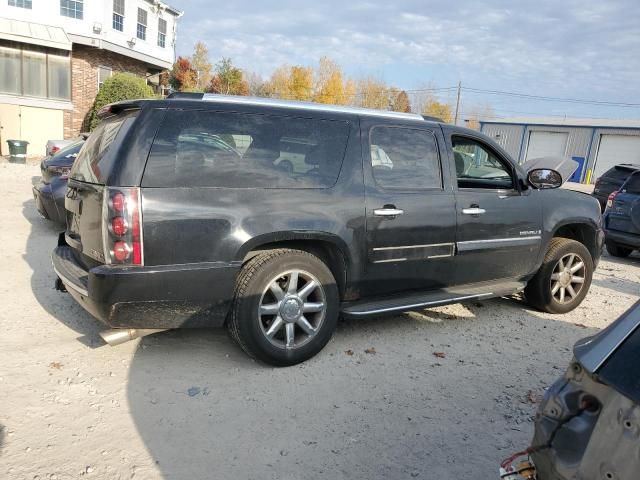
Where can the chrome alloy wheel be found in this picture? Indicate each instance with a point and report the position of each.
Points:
(568, 278)
(292, 309)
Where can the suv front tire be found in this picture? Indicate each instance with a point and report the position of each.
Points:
(564, 278)
(285, 308)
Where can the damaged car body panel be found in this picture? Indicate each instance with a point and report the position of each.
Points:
(588, 425)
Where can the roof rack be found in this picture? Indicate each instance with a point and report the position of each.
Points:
(272, 102)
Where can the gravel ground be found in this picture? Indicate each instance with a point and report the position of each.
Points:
(439, 394)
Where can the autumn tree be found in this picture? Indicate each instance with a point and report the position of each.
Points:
(300, 83)
(478, 113)
(372, 93)
(201, 64)
(400, 102)
(433, 108)
(183, 77)
(330, 87)
(227, 79)
(255, 83)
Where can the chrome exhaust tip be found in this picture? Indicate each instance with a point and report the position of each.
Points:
(118, 336)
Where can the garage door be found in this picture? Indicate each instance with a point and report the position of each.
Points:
(545, 144)
(616, 149)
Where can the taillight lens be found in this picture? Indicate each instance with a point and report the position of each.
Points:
(611, 199)
(54, 150)
(122, 226)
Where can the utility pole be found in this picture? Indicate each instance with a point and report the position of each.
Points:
(455, 121)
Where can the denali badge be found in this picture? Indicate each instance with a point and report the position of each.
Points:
(530, 232)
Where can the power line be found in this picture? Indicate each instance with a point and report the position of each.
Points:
(551, 99)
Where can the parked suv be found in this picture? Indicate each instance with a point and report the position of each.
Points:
(180, 214)
(622, 218)
(612, 180)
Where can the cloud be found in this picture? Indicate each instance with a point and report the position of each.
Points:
(554, 45)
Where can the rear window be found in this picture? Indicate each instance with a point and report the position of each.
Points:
(618, 173)
(633, 184)
(217, 149)
(621, 370)
(93, 165)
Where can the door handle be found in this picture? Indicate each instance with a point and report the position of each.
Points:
(387, 212)
(473, 210)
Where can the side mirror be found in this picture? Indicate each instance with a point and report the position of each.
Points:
(544, 178)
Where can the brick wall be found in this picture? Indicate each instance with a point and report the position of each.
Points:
(85, 61)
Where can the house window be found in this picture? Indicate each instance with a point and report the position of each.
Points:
(118, 15)
(162, 32)
(35, 73)
(20, 3)
(103, 74)
(142, 24)
(72, 8)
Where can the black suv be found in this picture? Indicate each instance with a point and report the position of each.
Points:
(622, 218)
(275, 218)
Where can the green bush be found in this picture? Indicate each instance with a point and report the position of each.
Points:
(121, 86)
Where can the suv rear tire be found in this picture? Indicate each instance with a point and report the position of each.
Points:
(564, 278)
(285, 308)
(616, 250)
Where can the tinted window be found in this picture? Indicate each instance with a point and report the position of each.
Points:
(633, 184)
(478, 167)
(405, 158)
(93, 165)
(621, 370)
(618, 173)
(214, 149)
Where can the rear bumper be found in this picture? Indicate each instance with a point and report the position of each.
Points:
(623, 238)
(168, 296)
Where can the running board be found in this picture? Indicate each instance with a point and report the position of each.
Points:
(417, 301)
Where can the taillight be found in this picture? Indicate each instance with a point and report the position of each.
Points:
(611, 199)
(54, 150)
(122, 226)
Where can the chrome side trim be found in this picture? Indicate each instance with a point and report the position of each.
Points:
(387, 260)
(421, 304)
(379, 249)
(497, 243)
(69, 284)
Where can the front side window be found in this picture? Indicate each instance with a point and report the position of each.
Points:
(162, 32)
(213, 149)
(142, 24)
(72, 8)
(20, 3)
(405, 158)
(118, 15)
(478, 167)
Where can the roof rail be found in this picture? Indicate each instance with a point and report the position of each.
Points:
(320, 107)
(429, 118)
(187, 95)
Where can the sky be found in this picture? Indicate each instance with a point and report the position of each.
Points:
(568, 49)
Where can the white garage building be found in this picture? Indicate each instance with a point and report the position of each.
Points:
(597, 144)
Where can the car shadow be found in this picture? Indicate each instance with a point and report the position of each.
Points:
(40, 243)
(606, 275)
(423, 394)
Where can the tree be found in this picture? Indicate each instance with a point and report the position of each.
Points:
(401, 102)
(477, 113)
(372, 93)
(183, 77)
(329, 83)
(201, 64)
(227, 79)
(257, 86)
(434, 108)
(300, 83)
(121, 86)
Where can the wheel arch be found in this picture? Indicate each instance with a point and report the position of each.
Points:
(581, 231)
(331, 249)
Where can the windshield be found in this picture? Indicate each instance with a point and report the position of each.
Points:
(67, 152)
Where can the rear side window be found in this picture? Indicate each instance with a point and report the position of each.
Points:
(234, 150)
(405, 158)
(618, 173)
(633, 184)
(93, 165)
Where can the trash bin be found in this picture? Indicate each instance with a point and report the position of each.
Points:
(17, 151)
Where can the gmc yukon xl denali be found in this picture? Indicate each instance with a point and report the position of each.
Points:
(275, 218)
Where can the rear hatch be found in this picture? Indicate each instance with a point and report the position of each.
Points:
(613, 179)
(624, 213)
(88, 182)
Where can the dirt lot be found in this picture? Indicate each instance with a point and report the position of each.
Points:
(190, 405)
